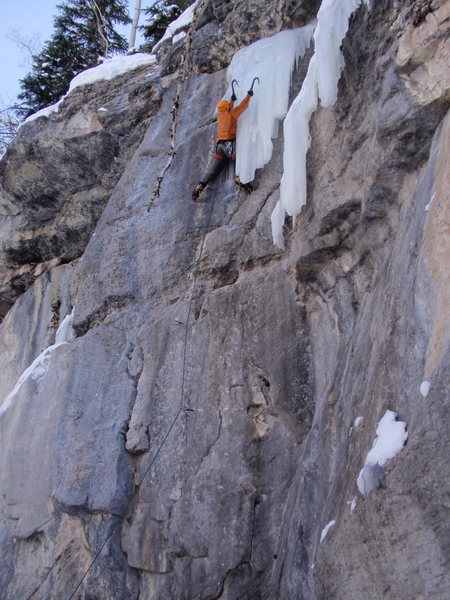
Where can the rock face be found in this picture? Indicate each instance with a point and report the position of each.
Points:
(200, 431)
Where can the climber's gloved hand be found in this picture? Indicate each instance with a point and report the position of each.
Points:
(233, 98)
(250, 92)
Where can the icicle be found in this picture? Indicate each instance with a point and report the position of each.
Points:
(40, 365)
(273, 60)
(320, 82)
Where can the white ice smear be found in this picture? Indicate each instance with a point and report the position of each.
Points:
(273, 60)
(320, 82)
(352, 504)
(109, 69)
(427, 207)
(391, 437)
(425, 388)
(358, 422)
(181, 22)
(326, 529)
(40, 365)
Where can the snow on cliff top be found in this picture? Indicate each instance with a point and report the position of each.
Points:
(181, 22)
(118, 65)
(109, 69)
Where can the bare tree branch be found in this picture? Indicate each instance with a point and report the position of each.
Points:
(27, 45)
(100, 28)
(9, 123)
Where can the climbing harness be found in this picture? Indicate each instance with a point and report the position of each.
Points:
(247, 187)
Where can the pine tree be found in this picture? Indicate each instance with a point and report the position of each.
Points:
(159, 15)
(76, 44)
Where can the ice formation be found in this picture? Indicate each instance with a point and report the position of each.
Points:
(273, 60)
(40, 365)
(358, 422)
(425, 388)
(390, 438)
(427, 207)
(326, 529)
(320, 83)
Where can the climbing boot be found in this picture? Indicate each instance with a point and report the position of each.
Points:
(245, 186)
(197, 191)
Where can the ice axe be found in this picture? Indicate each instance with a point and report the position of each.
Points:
(253, 83)
(232, 86)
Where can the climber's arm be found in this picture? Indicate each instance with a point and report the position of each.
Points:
(237, 112)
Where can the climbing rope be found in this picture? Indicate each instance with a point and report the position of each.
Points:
(181, 407)
(176, 105)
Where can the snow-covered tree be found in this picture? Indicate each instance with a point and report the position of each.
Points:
(84, 32)
(158, 16)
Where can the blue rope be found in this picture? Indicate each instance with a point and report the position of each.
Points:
(180, 409)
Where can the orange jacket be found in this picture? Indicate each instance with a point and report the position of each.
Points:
(227, 118)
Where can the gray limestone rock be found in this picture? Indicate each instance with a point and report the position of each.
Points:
(197, 435)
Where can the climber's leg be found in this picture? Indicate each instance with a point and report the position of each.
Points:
(214, 167)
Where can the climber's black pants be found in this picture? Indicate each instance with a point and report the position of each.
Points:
(225, 152)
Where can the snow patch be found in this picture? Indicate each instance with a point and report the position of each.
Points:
(111, 68)
(391, 436)
(183, 21)
(40, 365)
(179, 36)
(358, 421)
(273, 60)
(352, 504)
(321, 81)
(326, 529)
(44, 112)
(425, 388)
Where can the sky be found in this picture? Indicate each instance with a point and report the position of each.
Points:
(31, 18)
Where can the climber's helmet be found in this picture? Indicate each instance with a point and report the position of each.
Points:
(223, 106)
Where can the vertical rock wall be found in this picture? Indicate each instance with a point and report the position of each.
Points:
(220, 395)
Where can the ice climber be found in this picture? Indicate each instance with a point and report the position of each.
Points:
(227, 117)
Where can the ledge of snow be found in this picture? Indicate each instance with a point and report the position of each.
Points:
(109, 69)
(390, 438)
(183, 21)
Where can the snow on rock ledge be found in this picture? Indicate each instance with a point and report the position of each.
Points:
(173, 31)
(391, 437)
(109, 69)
